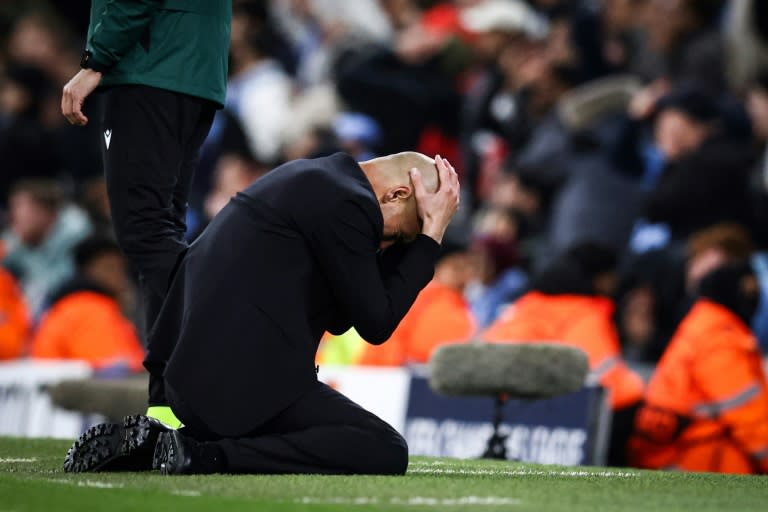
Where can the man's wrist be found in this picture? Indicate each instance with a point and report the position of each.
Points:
(434, 233)
(88, 62)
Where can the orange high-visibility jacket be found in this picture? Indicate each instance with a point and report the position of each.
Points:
(438, 315)
(706, 407)
(581, 321)
(88, 326)
(14, 318)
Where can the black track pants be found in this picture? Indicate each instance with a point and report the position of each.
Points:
(150, 139)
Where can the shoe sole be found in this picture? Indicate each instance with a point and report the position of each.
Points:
(164, 451)
(94, 448)
(114, 447)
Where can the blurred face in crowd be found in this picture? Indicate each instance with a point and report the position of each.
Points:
(509, 192)
(30, 221)
(666, 22)
(560, 49)
(523, 62)
(109, 271)
(757, 105)
(232, 175)
(496, 223)
(32, 42)
(621, 15)
(455, 270)
(677, 134)
(14, 99)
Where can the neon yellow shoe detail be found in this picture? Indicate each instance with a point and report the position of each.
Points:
(165, 415)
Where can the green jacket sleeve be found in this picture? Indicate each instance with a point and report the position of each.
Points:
(121, 25)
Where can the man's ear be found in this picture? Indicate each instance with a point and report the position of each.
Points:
(399, 193)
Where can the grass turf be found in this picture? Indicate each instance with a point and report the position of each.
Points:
(31, 479)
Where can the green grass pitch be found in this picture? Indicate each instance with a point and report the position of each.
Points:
(31, 479)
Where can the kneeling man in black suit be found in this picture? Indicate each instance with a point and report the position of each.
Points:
(315, 245)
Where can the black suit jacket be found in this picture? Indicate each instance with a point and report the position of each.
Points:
(290, 257)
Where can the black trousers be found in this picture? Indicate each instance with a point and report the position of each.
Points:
(150, 139)
(322, 432)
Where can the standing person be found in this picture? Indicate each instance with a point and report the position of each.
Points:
(162, 68)
(296, 254)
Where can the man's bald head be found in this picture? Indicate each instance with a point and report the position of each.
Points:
(393, 170)
(391, 181)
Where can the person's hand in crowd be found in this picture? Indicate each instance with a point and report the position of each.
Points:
(74, 94)
(437, 208)
(643, 103)
(416, 44)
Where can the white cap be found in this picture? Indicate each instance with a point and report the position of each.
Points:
(504, 16)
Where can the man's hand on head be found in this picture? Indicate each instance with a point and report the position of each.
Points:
(74, 94)
(437, 208)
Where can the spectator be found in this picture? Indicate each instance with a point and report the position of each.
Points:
(232, 174)
(439, 315)
(683, 43)
(706, 407)
(659, 287)
(572, 295)
(43, 231)
(259, 92)
(500, 276)
(14, 318)
(85, 320)
(705, 179)
(406, 87)
(508, 46)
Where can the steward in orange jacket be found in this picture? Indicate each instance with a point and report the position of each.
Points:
(14, 318)
(85, 320)
(568, 304)
(439, 315)
(581, 321)
(706, 408)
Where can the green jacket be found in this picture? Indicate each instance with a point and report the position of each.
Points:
(177, 45)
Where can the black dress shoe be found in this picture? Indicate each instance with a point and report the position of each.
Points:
(126, 446)
(177, 454)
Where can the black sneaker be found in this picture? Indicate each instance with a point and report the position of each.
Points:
(177, 454)
(116, 447)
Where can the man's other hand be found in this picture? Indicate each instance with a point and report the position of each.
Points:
(436, 209)
(74, 94)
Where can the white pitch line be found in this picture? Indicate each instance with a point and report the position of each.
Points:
(524, 472)
(183, 492)
(85, 483)
(424, 501)
(15, 460)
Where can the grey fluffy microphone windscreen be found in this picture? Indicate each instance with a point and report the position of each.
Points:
(523, 370)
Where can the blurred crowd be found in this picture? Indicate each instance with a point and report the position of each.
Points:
(613, 157)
